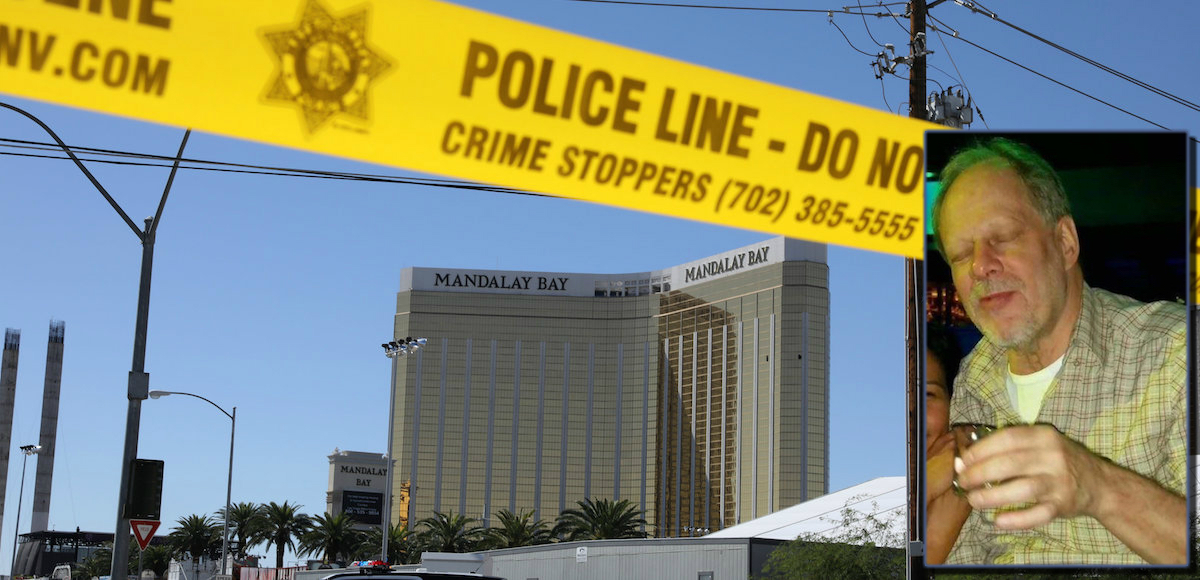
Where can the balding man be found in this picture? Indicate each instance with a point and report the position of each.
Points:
(1090, 385)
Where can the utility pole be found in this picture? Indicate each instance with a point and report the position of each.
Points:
(139, 380)
(916, 75)
(138, 385)
(914, 277)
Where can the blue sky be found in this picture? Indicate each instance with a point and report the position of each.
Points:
(272, 294)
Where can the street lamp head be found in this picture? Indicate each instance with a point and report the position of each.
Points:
(30, 449)
(158, 394)
(398, 348)
(414, 343)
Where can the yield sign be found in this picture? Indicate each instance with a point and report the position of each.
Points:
(143, 530)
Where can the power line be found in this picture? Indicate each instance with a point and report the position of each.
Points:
(974, 7)
(896, 19)
(1055, 81)
(875, 64)
(884, 91)
(942, 70)
(842, 10)
(839, 29)
(714, 7)
(42, 146)
(226, 167)
(980, 4)
(992, 15)
(868, 28)
(861, 12)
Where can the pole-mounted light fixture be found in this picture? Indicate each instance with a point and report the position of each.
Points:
(402, 347)
(229, 476)
(27, 450)
(394, 350)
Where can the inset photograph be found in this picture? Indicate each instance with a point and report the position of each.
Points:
(1056, 371)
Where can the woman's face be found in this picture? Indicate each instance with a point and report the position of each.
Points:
(937, 404)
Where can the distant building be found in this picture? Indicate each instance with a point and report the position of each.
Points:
(357, 486)
(699, 392)
(37, 553)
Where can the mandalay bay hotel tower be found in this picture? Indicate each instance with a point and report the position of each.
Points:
(699, 392)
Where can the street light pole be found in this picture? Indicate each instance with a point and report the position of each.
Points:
(229, 480)
(139, 380)
(228, 495)
(27, 450)
(389, 464)
(393, 350)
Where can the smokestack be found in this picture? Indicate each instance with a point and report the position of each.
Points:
(8, 395)
(50, 398)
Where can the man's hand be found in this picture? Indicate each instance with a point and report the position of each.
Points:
(1031, 464)
(1035, 464)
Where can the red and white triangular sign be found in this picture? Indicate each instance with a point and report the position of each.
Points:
(144, 530)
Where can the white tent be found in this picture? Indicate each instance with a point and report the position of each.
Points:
(884, 498)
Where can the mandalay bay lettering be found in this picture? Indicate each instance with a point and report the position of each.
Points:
(502, 281)
(364, 470)
(726, 264)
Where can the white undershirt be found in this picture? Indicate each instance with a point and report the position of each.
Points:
(1027, 391)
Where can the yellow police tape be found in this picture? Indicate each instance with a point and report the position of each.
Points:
(443, 89)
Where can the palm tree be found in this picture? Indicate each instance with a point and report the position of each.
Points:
(601, 520)
(402, 545)
(156, 558)
(195, 536)
(447, 532)
(518, 529)
(245, 523)
(98, 564)
(334, 537)
(282, 524)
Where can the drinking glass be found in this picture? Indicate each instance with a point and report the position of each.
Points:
(965, 435)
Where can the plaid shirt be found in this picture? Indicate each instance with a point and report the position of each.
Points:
(1121, 393)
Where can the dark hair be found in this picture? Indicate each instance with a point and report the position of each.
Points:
(943, 345)
(1046, 192)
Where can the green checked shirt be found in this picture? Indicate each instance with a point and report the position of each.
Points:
(1121, 393)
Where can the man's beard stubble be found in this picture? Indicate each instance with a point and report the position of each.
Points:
(1021, 333)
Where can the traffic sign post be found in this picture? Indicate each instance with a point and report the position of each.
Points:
(143, 531)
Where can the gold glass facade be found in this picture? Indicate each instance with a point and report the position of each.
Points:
(705, 405)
